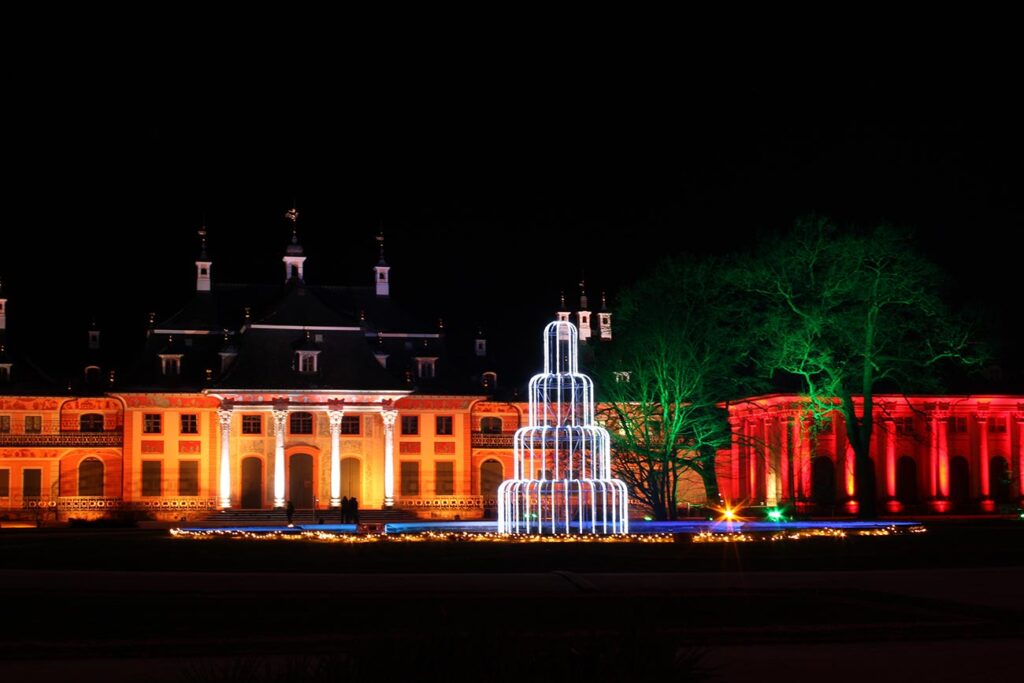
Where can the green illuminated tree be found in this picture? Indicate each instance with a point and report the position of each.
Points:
(847, 314)
(673, 361)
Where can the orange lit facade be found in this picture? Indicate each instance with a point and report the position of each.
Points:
(251, 396)
(960, 454)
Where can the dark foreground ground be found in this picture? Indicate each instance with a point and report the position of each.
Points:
(139, 605)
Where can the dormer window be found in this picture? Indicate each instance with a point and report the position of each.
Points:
(489, 380)
(226, 359)
(170, 364)
(92, 374)
(425, 367)
(306, 361)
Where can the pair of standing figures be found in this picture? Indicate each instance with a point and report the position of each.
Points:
(350, 510)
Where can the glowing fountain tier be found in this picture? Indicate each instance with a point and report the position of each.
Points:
(562, 480)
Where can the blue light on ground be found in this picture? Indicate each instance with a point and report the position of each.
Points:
(636, 527)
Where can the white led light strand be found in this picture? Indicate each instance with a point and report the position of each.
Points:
(562, 477)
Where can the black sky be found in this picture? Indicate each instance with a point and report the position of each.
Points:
(496, 189)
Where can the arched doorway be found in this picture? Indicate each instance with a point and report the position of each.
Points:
(90, 477)
(823, 481)
(300, 480)
(959, 480)
(351, 478)
(491, 476)
(252, 483)
(999, 479)
(906, 480)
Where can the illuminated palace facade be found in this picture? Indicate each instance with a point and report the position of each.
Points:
(960, 454)
(251, 396)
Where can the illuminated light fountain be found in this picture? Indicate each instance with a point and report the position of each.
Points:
(562, 480)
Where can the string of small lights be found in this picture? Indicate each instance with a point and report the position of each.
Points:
(427, 536)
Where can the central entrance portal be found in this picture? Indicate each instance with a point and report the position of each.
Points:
(300, 481)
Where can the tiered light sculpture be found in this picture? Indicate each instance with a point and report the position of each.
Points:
(562, 480)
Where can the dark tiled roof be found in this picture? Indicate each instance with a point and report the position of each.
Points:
(267, 360)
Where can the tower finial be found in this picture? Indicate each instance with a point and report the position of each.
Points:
(202, 243)
(381, 270)
(292, 214)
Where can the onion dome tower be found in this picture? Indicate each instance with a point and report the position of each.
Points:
(562, 481)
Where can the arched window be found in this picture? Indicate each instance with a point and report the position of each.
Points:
(301, 423)
(90, 477)
(90, 422)
(490, 425)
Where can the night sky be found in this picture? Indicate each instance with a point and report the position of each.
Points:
(496, 193)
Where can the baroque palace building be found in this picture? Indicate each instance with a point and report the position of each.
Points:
(254, 395)
(251, 396)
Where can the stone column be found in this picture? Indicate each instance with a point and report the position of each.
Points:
(1020, 454)
(334, 418)
(786, 480)
(280, 420)
(224, 415)
(892, 504)
(771, 471)
(805, 460)
(752, 451)
(735, 426)
(987, 504)
(942, 424)
(389, 417)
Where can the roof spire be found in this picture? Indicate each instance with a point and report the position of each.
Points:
(380, 241)
(294, 257)
(203, 256)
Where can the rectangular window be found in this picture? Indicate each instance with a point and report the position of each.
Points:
(350, 424)
(252, 424)
(443, 425)
(33, 424)
(410, 479)
(444, 478)
(410, 424)
(151, 423)
(188, 478)
(997, 425)
(301, 423)
(152, 473)
(5, 424)
(5, 483)
(31, 483)
(958, 425)
(904, 425)
(189, 424)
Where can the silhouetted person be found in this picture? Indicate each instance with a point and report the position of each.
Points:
(353, 510)
(344, 509)
(289, 511)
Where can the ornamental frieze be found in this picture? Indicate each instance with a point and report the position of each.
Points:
(170, 401)
(12, 403)
(34, 453)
